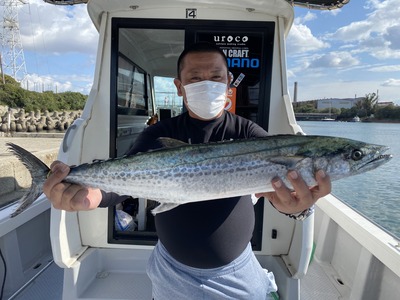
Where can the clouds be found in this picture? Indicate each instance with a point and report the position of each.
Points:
(360, 44)
(338, 60)
(377, 35)
(392, 35)
(392, 68)
(392, 82)
(57, 83)
(56, 30)
(301, 39)
(60, 45)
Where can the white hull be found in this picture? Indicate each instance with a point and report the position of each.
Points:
(354, 259)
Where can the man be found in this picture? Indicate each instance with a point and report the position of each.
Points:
(204, 247)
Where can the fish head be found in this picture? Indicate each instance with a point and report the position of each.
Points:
(367, 157)
(341, 157)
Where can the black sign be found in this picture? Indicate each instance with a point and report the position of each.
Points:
(243, 51)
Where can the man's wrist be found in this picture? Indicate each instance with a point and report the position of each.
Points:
(301, 216)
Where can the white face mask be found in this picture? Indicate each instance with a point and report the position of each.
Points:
(206, 98)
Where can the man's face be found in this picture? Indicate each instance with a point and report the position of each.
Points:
(198, 67)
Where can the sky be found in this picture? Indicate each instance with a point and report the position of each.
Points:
(342, 53)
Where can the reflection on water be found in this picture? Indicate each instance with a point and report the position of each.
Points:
(375, 194)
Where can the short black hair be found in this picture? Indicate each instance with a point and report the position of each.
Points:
(199, 47)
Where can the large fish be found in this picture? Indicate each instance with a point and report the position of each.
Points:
(181, 173)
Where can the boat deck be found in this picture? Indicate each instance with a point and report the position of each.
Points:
(49, 284)
(319, 284)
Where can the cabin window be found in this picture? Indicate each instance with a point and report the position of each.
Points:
(131, 85)
(133, 90)
(168, 103)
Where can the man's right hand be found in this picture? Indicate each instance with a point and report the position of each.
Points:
(67, 196)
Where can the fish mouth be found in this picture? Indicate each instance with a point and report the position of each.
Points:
(382, 157)
(378, 158)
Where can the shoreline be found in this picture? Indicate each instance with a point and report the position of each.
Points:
(381, 121)
(42, 134)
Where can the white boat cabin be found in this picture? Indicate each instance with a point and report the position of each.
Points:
(139, 43)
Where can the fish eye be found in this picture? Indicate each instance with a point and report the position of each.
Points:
(356, 154)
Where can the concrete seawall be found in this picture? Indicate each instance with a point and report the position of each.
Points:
(17, 120)
(14, 177)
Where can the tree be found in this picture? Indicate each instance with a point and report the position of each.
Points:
(305, 107)
(350, 113)
(390, 112)
(12, 95)
(367, 105)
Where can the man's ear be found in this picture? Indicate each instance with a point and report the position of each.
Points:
(179, 87)
(230, 78)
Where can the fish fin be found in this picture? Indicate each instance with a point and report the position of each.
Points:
(289, 161)
(38, 171)
(163, 207)
(170, 143)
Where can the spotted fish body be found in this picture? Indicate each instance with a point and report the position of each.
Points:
(181, 173)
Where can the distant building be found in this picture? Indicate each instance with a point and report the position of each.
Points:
(386, 103)
(337, 103)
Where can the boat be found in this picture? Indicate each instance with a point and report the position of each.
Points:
(356, 119)
(336, 253)
(328, 119)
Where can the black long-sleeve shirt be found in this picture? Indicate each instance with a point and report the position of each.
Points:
(205, 234)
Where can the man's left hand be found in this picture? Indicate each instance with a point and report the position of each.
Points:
(291, 202)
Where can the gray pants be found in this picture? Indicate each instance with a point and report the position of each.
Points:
(243, 278)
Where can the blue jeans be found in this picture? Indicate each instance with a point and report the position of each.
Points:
(243, 278)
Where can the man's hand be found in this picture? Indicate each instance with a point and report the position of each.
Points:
(303, 197)
(67, 196)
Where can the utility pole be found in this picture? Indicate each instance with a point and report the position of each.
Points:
(12, 51)
(295, 92)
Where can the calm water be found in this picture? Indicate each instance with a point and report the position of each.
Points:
(376, 194)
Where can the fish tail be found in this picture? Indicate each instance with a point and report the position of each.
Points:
(38, 171)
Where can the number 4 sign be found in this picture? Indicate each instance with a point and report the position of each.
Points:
(191, 13)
